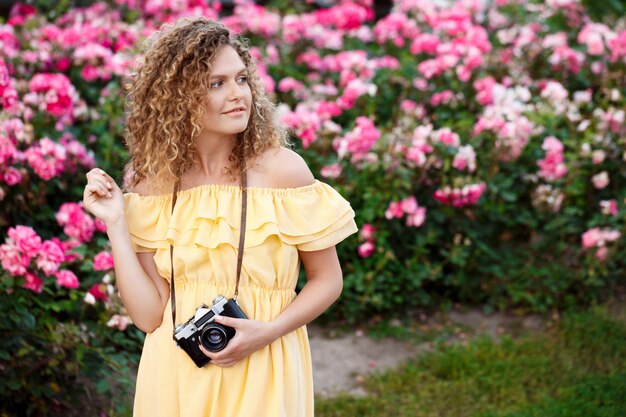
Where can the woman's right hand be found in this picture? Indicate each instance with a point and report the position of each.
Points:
(102, 197)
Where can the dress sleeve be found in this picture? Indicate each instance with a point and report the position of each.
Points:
(316, 217)
(147, 218)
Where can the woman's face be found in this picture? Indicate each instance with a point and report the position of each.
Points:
(228, 90)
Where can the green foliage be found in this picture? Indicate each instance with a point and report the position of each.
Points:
(57, 356)
(577, 369)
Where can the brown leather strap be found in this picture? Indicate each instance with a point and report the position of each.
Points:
(242, 230)
(242, 237)
(172, 288)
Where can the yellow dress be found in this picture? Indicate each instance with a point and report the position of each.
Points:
(277, 380)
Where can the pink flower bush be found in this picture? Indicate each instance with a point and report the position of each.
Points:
(416, 215)
(552, 168)
(66, 278)
(120, 322)
(33, 282)
(22, 247)
(428, 95)
(609, 207)
(97, 292)
(46, 158)
(596, 37)
(50, 257)
(465, 159)
(460, 197)
(103, 261)
(368, 233)
(26, 240)
(617, 46)
(331, 171)
(600, 180)
(54, 93)
(13, 260)
(366, 249)
(597, 239)
(358, 141)
(75, 222)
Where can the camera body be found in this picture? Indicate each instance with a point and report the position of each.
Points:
(202, 329)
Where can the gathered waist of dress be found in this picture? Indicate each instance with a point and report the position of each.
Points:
(185, 283)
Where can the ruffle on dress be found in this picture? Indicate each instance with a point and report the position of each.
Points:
(311, 217)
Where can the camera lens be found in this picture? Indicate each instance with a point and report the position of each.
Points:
(214, 338)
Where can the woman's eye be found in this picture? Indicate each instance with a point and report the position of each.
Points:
(243, 79)
(216, 84)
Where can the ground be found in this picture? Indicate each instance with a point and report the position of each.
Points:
(340, 360)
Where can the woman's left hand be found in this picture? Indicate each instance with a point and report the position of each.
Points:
(251, 336)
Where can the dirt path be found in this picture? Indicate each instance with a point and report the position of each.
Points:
(340, 363)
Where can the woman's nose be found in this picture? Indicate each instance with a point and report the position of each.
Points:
(236, 90)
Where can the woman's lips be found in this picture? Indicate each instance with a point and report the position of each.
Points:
(235, 113)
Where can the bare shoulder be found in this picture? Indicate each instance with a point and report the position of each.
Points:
(144, 188)
(283, 168)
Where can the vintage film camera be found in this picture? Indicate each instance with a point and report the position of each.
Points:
(202, 328)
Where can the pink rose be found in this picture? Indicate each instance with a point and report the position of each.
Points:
(600, 180)
(67, 279)
(12, 176)
(394, 211)
(367, 231)
(119, 322)
(103, 261)
(366, 249)
(602, 253)
(33, 283)
(26, 240)
(331, 171)
(97, 292)
(609, 207)
(417, 218)
(50, 257)
(409, 205)
(13, 260)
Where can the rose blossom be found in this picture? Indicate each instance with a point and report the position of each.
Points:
(394, 210)
(96, 291)
(33, 282)
(331, 171)
(13, 260)
(600, 180)
(597, 237)
(609, 207)
(12, 176)
(465, 159)
(76, 223)
(67, 279)
(552, 166)
(367, 231)
(50, 257)
(366, 249)
(119, 321)
(26, 240)
(417, 218)
(103, 261)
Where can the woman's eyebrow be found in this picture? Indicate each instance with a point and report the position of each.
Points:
(224, 76)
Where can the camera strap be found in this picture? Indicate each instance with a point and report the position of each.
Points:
(242, 237)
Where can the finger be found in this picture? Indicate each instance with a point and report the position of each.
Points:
(100, 187)
(108, 178)
(226, 364)
(214, 356)
(229, 321)
(96, 189)
(100, 174)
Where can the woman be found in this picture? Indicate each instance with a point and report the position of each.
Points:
(198, 120)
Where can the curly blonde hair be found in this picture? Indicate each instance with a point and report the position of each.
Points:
(165, 103)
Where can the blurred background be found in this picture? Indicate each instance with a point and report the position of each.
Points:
(480, 143)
